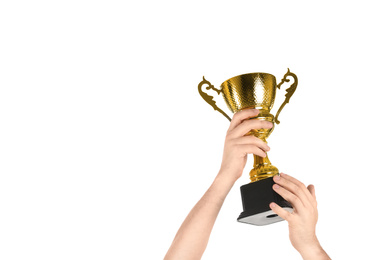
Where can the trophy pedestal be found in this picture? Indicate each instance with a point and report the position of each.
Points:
(256, 197)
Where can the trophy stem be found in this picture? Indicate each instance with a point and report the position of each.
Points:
(262, 169)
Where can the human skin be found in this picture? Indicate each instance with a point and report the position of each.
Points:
(302, 221)
(192, 237)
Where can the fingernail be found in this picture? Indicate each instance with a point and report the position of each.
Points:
(276, 186)
(277, 177)
(272, 205)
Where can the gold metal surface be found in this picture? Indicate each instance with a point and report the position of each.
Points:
(290, 91)
(253, 90)
(249, 91)
(209, 99)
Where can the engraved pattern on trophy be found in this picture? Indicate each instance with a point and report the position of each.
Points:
(249, 91)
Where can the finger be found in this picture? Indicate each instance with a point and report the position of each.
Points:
(284, 214)
(313, 194)
(241, 116)
(302, 186)
(312, 190)
(296, 187)
(289, 196)
(248, 125)
(254, 141)
(251, 149)
(292, 179)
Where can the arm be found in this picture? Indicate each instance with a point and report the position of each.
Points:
(191, 240)
(302, 221)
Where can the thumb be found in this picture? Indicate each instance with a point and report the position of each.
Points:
(284, 214)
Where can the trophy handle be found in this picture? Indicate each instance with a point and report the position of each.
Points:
(209, 99)
(290, 91)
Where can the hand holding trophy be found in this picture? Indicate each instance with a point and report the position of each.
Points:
(255, 90)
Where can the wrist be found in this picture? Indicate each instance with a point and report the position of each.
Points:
(313, 251)
(222, 185)
(224, 178)
(228, 175)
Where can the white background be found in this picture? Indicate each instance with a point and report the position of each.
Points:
(106, 145)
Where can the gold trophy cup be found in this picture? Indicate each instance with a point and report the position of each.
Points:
(255, 90)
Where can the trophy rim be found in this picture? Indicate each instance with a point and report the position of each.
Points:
(252, 73)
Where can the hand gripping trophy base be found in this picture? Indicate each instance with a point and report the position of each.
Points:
(256, 197)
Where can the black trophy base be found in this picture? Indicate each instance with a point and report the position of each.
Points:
(256, 197)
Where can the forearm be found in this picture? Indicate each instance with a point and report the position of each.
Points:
(191, 240)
